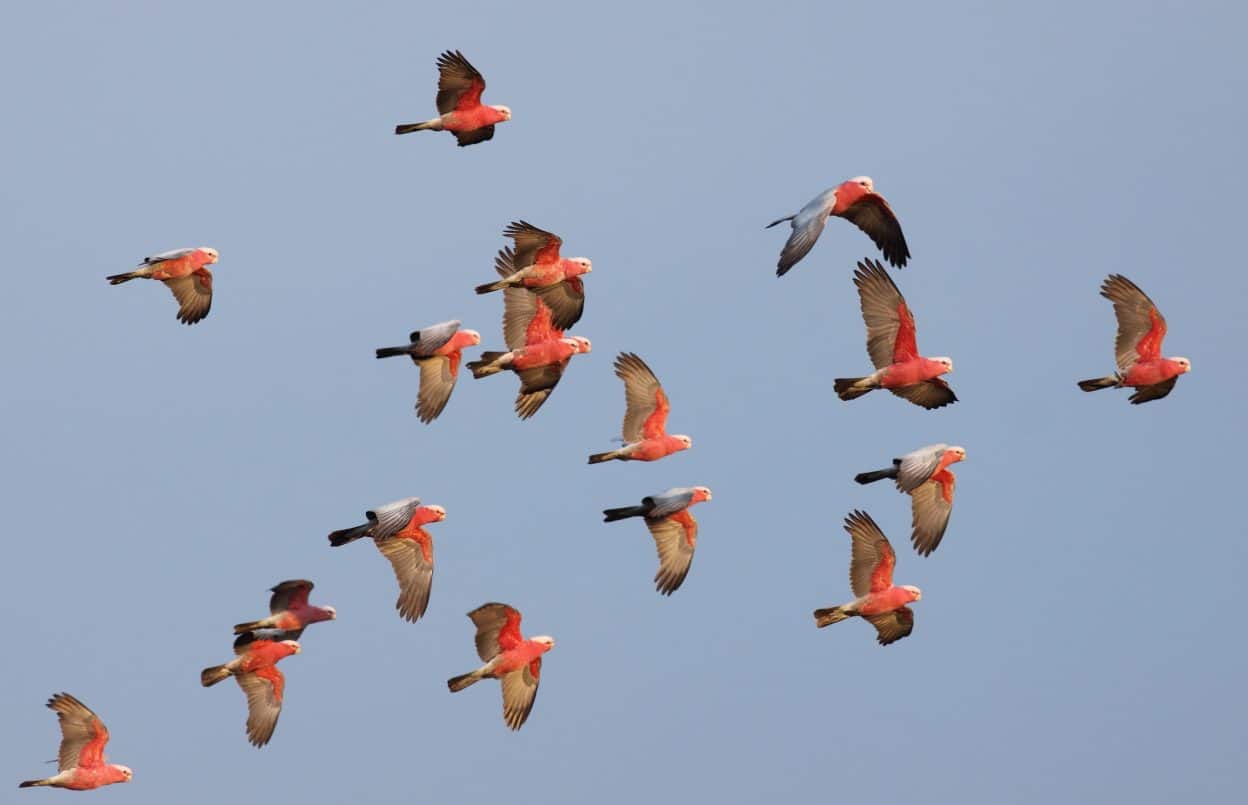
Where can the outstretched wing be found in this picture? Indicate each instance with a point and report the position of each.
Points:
(389, 519)
(527, 320)
(646, 404)
(83, 734)
(412, 561)
(498, 629)
(459, 84)
(675, 537)
(519, 692)
(890, 325)
(533, 245)
(807, 226)
(427, 340)
(872, 215)
(929, 394)
(437, 381)
(872, 558)
(1154, 392)
(477, 135)
(918, 466)
(930, 508)
(536, 385)
(892, 626)
(291, 594)
(566, 301)
(264, 688)
(194, 295)
(1141, 327)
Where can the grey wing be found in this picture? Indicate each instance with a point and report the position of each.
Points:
(807, 226)
(566, 301)
(519, 693)
(865, 550)
(1154, 392)
(263, 706)
(892, 626)
(881, 304)
(414, 574)
(436, 385)
(640, 390)
(669, 502)
(172, 254)
(475, 136)
(675, 545)
(916, 467)
(390, 519)
(194, 295)
(872, 215)
(929, 394)
(428, 339)
(930, 513)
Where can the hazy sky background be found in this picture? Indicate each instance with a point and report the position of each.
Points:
(1079, 635)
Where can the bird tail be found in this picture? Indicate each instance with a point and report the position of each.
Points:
(391, 352)
(117, 279)
(211, 676)
(490, 287)
(875, 475)
(1098, 383)
(611, 515)
(487, 365)
(345, 535)
(851, 388)
(829, 616)
(598, 458)
(32, 783)
(244, 628)
(458, 683)
(779, 221)
(428, 125)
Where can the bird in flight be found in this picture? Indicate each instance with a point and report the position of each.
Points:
(185, 273)
(289, 611)
(535, 264)
(437, 350)
(80, 763)
(854, 200)
(645, 416)
(255, 669)
(925, 476)
(509, 657)
(460, 110)
(674, 529)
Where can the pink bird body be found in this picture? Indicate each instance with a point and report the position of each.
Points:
(508, 657)
(856, 201)
(1137, 348)
(544, 354)
(460, 110)
(892, 346)
(185, 273)
(81, 763)
(437, 350)
(398, 530)
(535, 264)
(290, 611)
(645, 416)
(255, 670)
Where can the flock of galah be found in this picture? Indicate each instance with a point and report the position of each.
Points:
(543, 297)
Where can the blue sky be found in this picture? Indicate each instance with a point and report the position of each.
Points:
(1077, 638)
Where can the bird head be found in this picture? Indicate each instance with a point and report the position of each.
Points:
(945, 362)
(582, 344)
(1185, 365)
(126, 773)
(292, 645)
(915, 593)
(331, 612)
(684, 440)
(865, 182)
(584, 265)
(959, 452)
(439, 513)
(211, 253)
(701, 494)
(545, 640)
(471, 337)
(503, 110)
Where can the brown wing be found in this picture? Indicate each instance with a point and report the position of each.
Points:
(519, 304)
(1154, 392)
(882, 307)
(437, 381)
(870, 550)
(930, 516)
(892, 626)
(872, 215)
(1139, 320)
(459, 83)
(414, 574)
(929, 394)
(264, 702)
(194, 295)
(643, 395)
(498, 629)
(566, 301)
(675, 544)
(289, 593)
(519, 691)
(532, 244)
(475, 136)
(535, 386)
(83, 734)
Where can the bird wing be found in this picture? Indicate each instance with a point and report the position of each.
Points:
(669, 502)
(536, 384)
(675, 537)
(477, 135)
(929, 394)
(498, 629)
(412, 561)
(533, 245)
(527, 320)
(890, 325)
(1154, 392)
(930, 512)
(917, 467)
(264, 687)
(172, 254)
(194, 295)
(519, 691)
(291, 594)
(83, 734)
(389, 519)
(872, 215)
(807, 226)
(871, 558)
(1141, 327)
(892, 626)
(437, 381)
(428, 339)
(459, 84)
(566, 301)
(646, 404)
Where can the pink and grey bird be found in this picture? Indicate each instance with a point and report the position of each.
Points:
(674, 530)
(925, 476)
(871, 579)
(857, 202)
(1137, 349)
(535, 264)
(80, 763)
(538, 353)
(509, 657)
(892, 346)
(460, 110)
(437, 350)
(289, 611)
(398, 531)
(185, 273)
(645, 416)
(255, 669)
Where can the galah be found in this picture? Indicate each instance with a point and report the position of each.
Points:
(535, 264)
(398, 530)
(892, 347)
(925, 476)
(459, 103)
(290, 611)
(645, 416)
(255, 670)
(80, 763)
(857, 202)
(538, 352)
(508, 657)
(185, 273)
(437, 350)
(674, 530)
(871, 579)
(1137, 350)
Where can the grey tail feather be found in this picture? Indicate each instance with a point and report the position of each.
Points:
(117, 279)
(847, 388)
(1098, 383)
(598, 458)
(391, 352)
(780, 221)
(345, 535)
(489, 287)
(408, 128)
(829, 616)
(243, 628)
(611, 515)
(482, 368)
(31, 783)
(458, 683)
(875, 475)
(211, 676)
